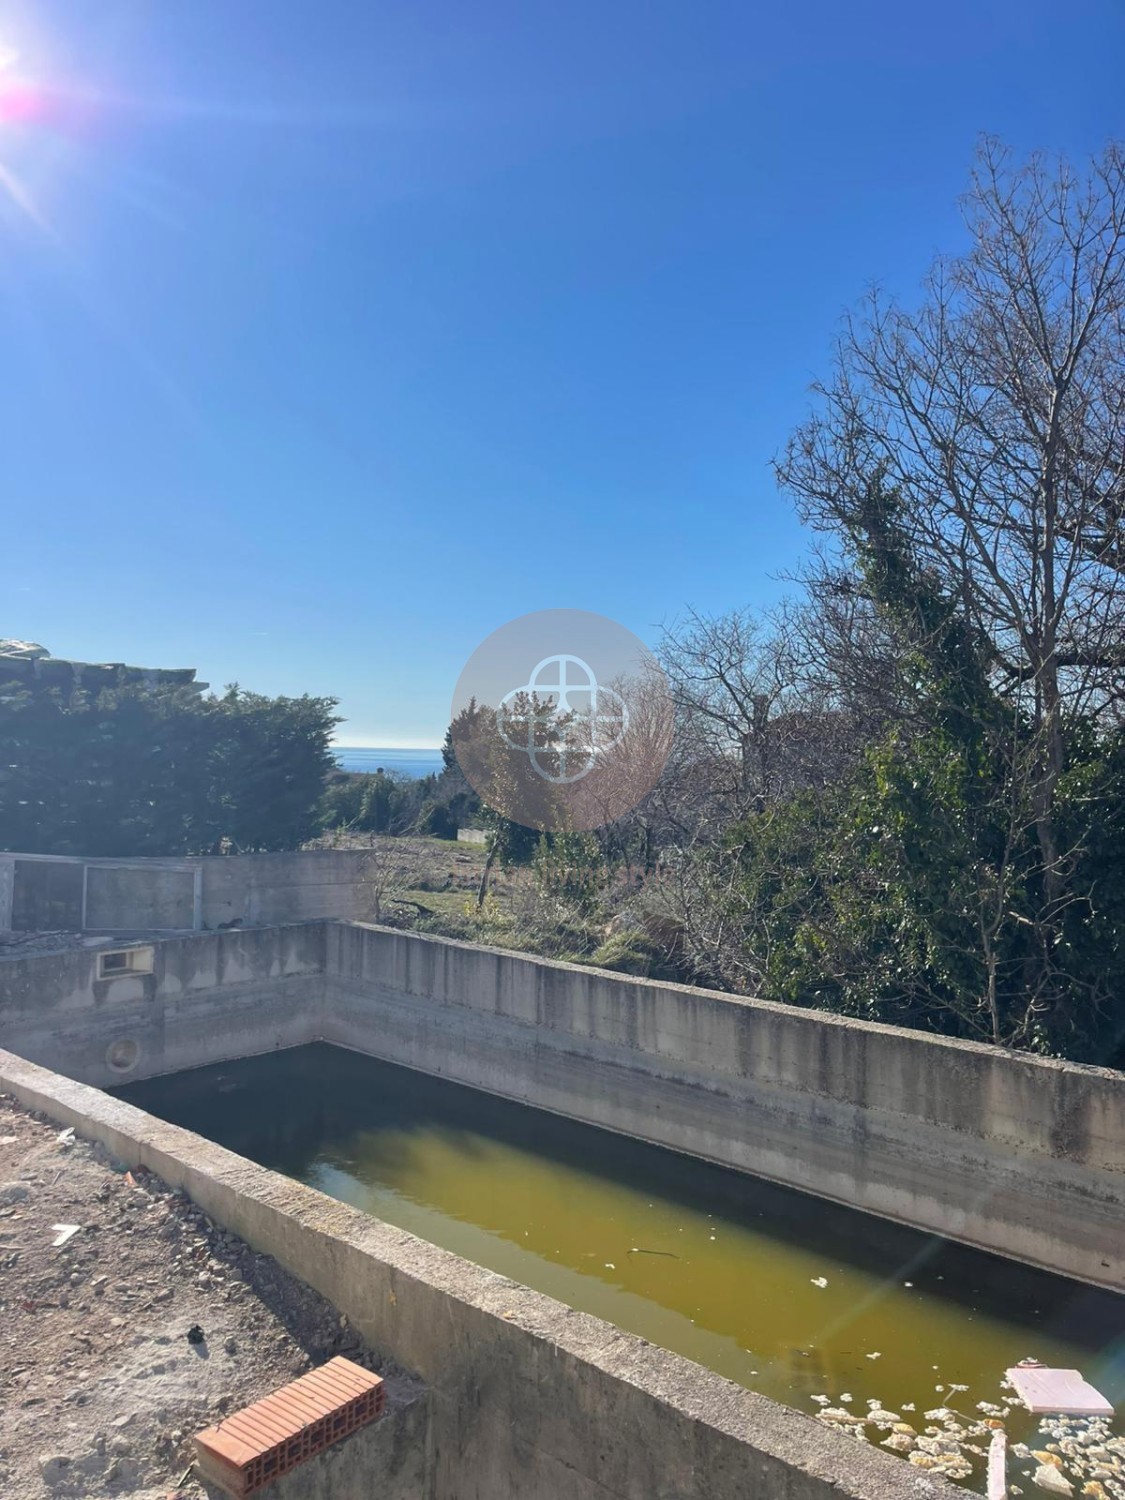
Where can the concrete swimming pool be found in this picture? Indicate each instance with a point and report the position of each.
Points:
(527, 1392)
(810, 1303)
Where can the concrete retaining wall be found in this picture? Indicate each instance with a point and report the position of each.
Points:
(1004, 1151)
(527, 1397)
(138, 897)
(274, 888)
(142, 895)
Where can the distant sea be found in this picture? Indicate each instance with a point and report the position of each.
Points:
(416, 763)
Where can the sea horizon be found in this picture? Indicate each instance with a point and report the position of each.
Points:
(416, 761)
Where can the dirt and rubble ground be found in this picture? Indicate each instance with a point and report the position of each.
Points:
(101, 1389)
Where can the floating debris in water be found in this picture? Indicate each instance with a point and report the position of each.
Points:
(820, 1281)
(1073, 1455)
(1046, 1390)
(1051, 1479)
(883, 1419)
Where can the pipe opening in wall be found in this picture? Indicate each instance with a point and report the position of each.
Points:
(122, 1055)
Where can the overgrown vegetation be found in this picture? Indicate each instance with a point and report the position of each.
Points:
(900, 795)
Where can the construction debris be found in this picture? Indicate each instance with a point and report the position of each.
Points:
(1057, 1392)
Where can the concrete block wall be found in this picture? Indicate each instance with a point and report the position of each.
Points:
(1008, 1152)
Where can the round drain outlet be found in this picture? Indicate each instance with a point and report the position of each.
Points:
(122, 1056)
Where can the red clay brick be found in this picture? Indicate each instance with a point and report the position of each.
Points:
(258, 1444)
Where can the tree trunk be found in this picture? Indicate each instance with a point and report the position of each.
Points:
(482, 889)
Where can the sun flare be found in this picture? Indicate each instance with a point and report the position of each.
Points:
(21, 104)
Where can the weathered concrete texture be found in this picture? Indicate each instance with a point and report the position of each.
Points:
(1016, 1154)
(7, 892)
(140, 895)
(46, 895)
(163, 898)
(277, 888)
(209, 998)
(1019, 1155)
(528, 1398)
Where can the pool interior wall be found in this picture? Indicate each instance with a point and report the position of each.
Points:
(1020, 1155)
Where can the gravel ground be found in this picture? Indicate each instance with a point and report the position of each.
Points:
(101, 1389)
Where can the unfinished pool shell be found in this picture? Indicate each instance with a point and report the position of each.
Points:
(1013, 1154)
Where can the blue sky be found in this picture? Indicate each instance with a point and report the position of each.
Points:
(336, 335)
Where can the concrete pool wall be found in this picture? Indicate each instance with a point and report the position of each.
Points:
(1008, 1152)
(1021, 1155)
(209, 997)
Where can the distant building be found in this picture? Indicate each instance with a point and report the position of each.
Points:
(33, 666)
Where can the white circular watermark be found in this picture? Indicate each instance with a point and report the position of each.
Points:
(562, 720)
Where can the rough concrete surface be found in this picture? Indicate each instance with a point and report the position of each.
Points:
(101, 1388)
(1021, 1155)
(210, 997)
(527, 1397)
(196, 891)
(1016, 1154)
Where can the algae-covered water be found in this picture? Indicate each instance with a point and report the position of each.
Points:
(780, 1291)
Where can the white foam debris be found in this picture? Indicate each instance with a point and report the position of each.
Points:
(1052, 1479)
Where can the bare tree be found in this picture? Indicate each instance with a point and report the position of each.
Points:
(996, 410)
(754, 724)
(391, 868)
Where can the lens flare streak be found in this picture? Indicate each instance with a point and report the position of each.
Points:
(20, 195)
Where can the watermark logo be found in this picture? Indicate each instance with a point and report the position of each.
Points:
(562, 720)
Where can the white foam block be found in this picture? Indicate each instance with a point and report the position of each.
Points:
(1060, 1392)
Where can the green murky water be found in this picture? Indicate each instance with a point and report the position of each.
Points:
(785, 1293)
